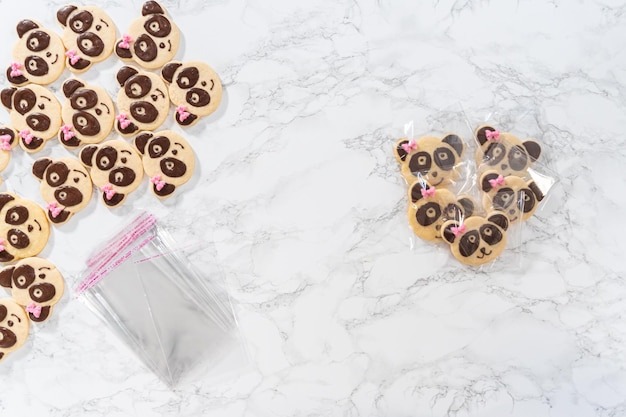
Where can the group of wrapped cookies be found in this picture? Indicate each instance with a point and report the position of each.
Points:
(431, 167)
(83, 123)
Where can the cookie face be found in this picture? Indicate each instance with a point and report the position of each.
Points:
(513, 196)
(167, 159)
(65, 187)
(152, 40)
(8, 141)
(35, 114)
(431, 207)
(504, 152)
(88, 35)
(430, 159)
(115, 168)
(24, 228)
(143, 101)
(194, 88)
(38, 55)
(88, 114)
(14, 326)
(477, 240)
(36, 284)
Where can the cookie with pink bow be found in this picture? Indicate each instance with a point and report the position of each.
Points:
(515, 197)
(504, 152)
(476, 240)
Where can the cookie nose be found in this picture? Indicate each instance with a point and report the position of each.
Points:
(48, 54)
(512, 211)
(504, 166)
(161, 45)
(433, 174)
(483, 251)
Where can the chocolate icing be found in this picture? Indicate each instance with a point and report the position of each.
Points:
(158, 26)
(36, 143)
(197, 97)
(151, 7)
(16, 215)
(64, 12)
(72, 142)
(144, 112)
(145, 48)
(490, 234)
(24, 26)
(39, 122)
(518, 158)
(428, 214)
(60, 218)
(122, 52)
(6, 256)
(80, 64)
(114, 201)
(455, 142)
(8, 337)
(187, 78)
(24, 99)
(43, 292)
(168, 71)
(420, 162)
(86, 124)
(90, 44)
(131, 128)
(81, 22)
(444, 158)
(68, 196)
(106, 157)
(189, 120)
(70, 86)
(45, 312)
(57, 174)
(36, 65)
(18, 239)
(23, 276)
(158, 146)
(19, 80)
(137, 86)
(173, 167)
(38, 41)
(8, 131)
(122, 176)
(84, 99)
(503, 198)
(124, 74)
(469, 243)
(166, 190)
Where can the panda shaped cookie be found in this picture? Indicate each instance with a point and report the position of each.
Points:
(38, 55)
(35, 284)
(168, 160)
(142, 101)
(88, 114)
(513, 196)
(65, 187)
(14, 327)
(431, 207)
(505, 152)
(24, 228)
(430, 159)
(115, 168)
(194, 89)
(151, 40)
(35, 114)
(8, 141)
(477, 240)
(88, 35)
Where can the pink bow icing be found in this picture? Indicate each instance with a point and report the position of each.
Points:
(108, 191)
(458, 230)
(493, 135)
(125, 42)
(428, 192)
(54, 209)
(73, 56)
(27, 136)
(497, 182)
(408, 147)
(34, 309)
(158, 182)
(182, 113)
(5, 142)
(124, 122)
(2, 242)
(16, 69)
(67, 132)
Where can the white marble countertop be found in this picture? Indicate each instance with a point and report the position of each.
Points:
(341, 311)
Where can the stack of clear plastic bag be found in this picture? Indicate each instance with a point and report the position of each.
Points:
(143, 287)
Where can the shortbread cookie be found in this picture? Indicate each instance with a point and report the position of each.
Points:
(36, 284)
(430, 159)
(151, 40)
(430, 207)
(65, 187)
(194, 88)
(477, 240)
(88, 114)
(515, 197)
(14, 326)
(88, 35)
(38, 55)
(24, 228)
(115, 168)
(505, 152)
(142, 101)
(35, 114)
(168, 160)
(8, 141)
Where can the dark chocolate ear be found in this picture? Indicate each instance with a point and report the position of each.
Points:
(25, 26)
(64, 12)
(468, 206)
(167, 189)
(7, 97)
(123, 53)
(141, 141)
(70, 86)
(17, 80)
(5, 198)
(86, 155)
(533, 149)
(456, 143)
(499, 219)
(535, 189)
(485, 185)
(43, 315)
(481, 136)
(151, 7)
(400, 152)
(81, 64)
(39, 167)
(446, 233)
(415, 191)
(169, 69)
(124, 74)
(6, 276)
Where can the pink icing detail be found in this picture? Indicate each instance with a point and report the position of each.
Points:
(73, 56)
(125, 42)
(493, 135)
(428, 192)
(27, 136)
(124, 122)
(67, 132)
(156, 180)
(183, 114)
(54, 209)
(34, 309)
(16, 69)
(458, 230)
(2, 242)
(408, 147)
(497, 182)
(5, 142)
(108, 191)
